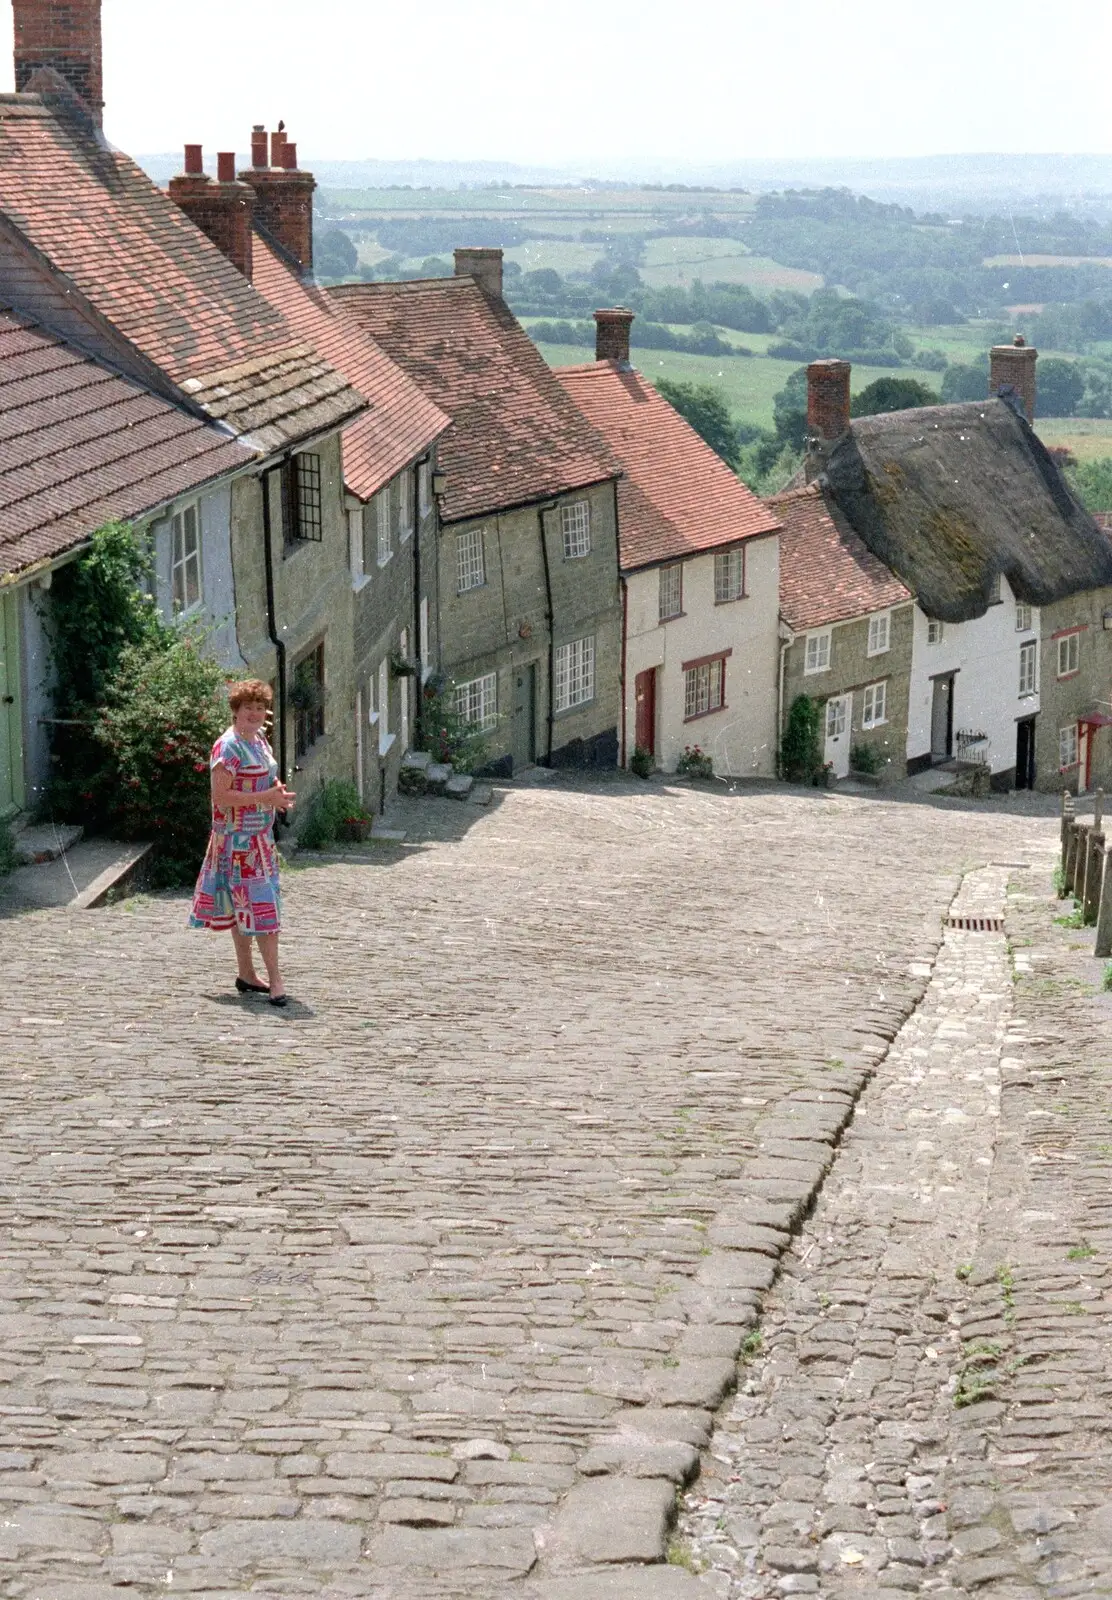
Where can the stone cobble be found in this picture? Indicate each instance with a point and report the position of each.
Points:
(432, 1283)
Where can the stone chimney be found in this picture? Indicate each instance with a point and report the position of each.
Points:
(485, 266)
(828, 400)
(612, 325)
(57, 47)
(221, 209)
(283, 194)
(1011, 374)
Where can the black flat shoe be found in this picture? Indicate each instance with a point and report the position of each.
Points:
(251, 988)
(279, 999)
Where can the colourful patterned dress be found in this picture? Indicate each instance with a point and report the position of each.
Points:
(238, 883)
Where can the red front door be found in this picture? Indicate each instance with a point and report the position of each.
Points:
(645, 696)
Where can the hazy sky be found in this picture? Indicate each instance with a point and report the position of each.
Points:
(592, 81)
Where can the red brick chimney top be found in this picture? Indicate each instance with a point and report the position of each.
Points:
(58, 46)
(485, 266)
(828, 399)
(283, 193)
(226, 166)
(1011, 374)
(612, 325)
(194, 159)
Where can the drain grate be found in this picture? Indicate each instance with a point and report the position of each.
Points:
(977, 924)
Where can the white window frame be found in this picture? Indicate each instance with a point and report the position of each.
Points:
(360, 577)
(1028, 668)
(880, 634)
(470, 560)
(839, 715)
(424, 489)
(1069, 654)
(935, 630)
(423, 638)
(874, 704)
(185, 560)
(476, 701)
(1024, 617)
(1069, 747)
(729, 575)
(385, 545)
(817, 651)
(995, 590)
(704, 689)
(385, 737)
(670, 592)
(575, 673)
(575, 525)
(405, 506)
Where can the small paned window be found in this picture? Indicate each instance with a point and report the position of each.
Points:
(1022, 617)
(817, 654)
(935, 631)
(185, 558)
(874, 705)
(477, 701)
(307, 697)
(575, 673)
(995, 592)
(671, 591)
(729, 575)
(879, 631)
(704, 689)
(1067, 746)
(837, 713)
(575, 524)
(1027, 653)
(405, 506)
(306, 501)
(424, 488)
(470, 562)
(382, 528)
(1069, 654)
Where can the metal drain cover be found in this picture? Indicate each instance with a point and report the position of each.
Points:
(977, 924)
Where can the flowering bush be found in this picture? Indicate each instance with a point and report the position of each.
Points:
(694, 763)
(445, 734)
(333, 809)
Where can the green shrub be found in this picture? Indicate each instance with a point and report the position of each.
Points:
(641, 762)
(413, 781)
(8, 861)
(163, 709)
(444, 733)
(694, 763)
(800, 757)
(865, 758)
(333, 803)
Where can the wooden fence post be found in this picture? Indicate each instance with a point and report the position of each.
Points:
(1098, 810)
(1067, 825)
(1094, 872)
(1103, 946)
(1076, 860)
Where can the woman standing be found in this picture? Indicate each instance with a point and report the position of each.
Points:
(238, 885)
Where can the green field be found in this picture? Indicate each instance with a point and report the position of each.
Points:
(1088, 438)
(564, 255)
(681, 260)
(579, 205)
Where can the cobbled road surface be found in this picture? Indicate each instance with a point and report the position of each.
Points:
(432, 1283)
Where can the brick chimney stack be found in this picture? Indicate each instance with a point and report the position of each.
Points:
(612, 325)
(283, 194)
(485, 266)
(1012, 374)
(222, 209)
(828, 399)
(57, 45)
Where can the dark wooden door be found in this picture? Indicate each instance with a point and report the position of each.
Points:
(942, 719)
(524, 730)
(1025, 753)
(645, 701)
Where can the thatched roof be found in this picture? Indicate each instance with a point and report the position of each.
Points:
(950, 496)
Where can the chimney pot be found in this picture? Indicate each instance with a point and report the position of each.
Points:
(289, 156)
(277, 140)
(226, 166)
(1011, 374)
(283, 195)
(485, 266)
(259, 145)
(194, 159)
(828, 399)
(612, 325)
(61, 41)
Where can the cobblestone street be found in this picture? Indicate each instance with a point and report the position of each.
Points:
(433, 1284)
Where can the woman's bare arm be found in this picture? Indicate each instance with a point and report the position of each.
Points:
(226, 797)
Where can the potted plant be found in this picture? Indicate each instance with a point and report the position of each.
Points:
(694, 763)
(400, 667)
(355, 827)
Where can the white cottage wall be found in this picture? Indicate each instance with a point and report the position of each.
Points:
(216, 613)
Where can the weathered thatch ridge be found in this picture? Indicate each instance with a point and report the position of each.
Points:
(950, 496)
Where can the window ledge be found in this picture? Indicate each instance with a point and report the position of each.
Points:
(814, 672)
(384, 561)
(360, 583)
(731, 600)
(386, 745)
(372, 718)
(579, 705)
(676, 616)
(1064, 676)
(699, 715)
(404, 534)
(867, 727)
(872, 654)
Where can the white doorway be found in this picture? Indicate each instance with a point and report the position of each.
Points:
(839, 715)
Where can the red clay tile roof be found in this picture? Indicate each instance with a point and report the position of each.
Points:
(826, 573)
(135, 258)
(80, 446)
(677, 497)
(402, 422)
(516, 436)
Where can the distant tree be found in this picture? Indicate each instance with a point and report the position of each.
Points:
(334, 255)
(703, 408)
(1091, 481)
(964, 383)
(789, 410)
(543, 280)
(1061, 385)
(892, 394)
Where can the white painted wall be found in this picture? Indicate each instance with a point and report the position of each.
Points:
(740, 738)
(216, 614)
(984, 654)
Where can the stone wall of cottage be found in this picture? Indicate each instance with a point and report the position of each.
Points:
(313, 606)
(1064, 700)
(501, 627)
(851, 669)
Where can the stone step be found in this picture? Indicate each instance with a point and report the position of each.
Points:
(382, 830)
(459, 786)
(38, 843)
(438, 774)
(417, 758)
(481, 795)
(81, 879)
